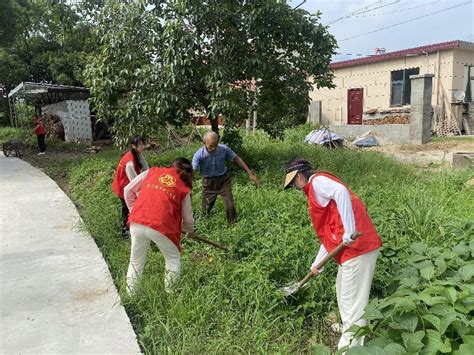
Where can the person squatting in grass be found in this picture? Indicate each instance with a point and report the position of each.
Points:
(337, 213)
(131, 164)
(40, 132)
(159, 200)
(210, 160)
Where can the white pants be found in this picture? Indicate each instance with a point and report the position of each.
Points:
(141, 236)
(354, 279)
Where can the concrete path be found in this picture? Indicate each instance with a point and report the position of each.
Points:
(56, 292)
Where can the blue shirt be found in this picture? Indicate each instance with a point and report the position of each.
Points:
(210, 165)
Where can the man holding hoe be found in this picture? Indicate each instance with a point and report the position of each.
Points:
(337, 213)
(210, 160)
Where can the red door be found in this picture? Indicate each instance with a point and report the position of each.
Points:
(354, 105)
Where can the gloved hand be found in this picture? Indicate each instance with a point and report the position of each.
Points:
(347, 239)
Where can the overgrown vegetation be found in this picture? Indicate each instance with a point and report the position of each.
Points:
(431, 311)
(24, 134)
(230, 303)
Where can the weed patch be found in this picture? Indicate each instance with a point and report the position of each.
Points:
(230, 303)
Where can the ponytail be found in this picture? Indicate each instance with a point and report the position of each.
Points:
(135, 141)
(184, 169)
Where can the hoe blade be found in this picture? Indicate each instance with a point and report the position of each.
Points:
(291, 289)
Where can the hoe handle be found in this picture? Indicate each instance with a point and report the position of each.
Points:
(331, 255)
(210, 242)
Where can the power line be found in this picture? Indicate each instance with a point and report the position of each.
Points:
(363, 10)
(400, 10)
(355, 54)
(299, 5)
(407, 21)
(376, 8)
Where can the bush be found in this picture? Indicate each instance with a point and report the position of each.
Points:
(431, 310)
(233, 138)
(24, 134)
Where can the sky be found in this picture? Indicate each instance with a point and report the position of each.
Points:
(453, 20)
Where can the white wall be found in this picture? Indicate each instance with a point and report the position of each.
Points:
(75, 117)
(375, 79)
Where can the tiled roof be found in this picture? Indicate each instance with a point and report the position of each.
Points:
(403, 53)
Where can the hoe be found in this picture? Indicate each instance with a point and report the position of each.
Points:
(210, 242)
(293, 288)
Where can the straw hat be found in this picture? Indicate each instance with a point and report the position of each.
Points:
(291, 173)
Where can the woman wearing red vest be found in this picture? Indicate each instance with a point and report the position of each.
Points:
(336, 213)
(159, 200)
(131, 164)
(40, 135)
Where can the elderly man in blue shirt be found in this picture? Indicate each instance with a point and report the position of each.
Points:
(210, 160)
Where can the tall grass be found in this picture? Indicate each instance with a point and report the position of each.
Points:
(229, 303)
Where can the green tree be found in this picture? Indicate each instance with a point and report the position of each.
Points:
(44, 41)
(158, 60)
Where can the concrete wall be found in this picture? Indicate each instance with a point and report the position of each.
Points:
(396, 133)
(375, 79)
(417, 132)
(420, 115)
(75, 117)
(462, 58)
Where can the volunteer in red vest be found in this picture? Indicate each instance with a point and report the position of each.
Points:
(40, 135)
(159, 200)
(131, 164)
(337, 213)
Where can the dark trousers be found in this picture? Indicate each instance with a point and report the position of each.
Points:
(211, 188)
(41, 143)
(125, 213)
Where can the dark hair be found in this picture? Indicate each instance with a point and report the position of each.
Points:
(185, 170)
(135, 141)
(302, 165)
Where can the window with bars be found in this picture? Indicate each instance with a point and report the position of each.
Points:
(401, 86)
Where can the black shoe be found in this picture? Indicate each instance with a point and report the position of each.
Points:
(125, 234)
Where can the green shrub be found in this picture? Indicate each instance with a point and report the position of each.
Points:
(26, 135)
(431, 310)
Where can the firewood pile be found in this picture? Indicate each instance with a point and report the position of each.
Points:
(152, 145)
(396, 119)
(53, 125)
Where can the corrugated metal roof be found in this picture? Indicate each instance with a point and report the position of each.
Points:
(403, 53)
(27, 88)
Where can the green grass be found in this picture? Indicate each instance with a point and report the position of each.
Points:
(453, 139)
(230, 303)
(24, 134)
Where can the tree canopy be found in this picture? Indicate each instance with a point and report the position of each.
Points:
(158, 60)
(44, 41)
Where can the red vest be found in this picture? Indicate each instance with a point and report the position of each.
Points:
(328, 224)
(159, 203)
(39, 129)
(121, 179)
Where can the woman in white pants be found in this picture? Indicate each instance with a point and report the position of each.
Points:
(159, 200)
(337, 213)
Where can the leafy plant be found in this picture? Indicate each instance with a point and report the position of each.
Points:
(431, 311)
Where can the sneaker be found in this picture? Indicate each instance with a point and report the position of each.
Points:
(125, 234)
(41, 153)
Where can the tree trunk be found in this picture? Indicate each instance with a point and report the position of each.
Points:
(6, 104)
(11, 112)
(215, 125)
(213, 118)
